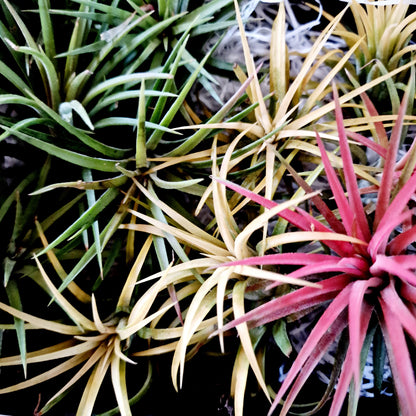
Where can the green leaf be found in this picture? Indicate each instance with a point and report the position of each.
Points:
(91, 48)
(141, 158)
(128, 121)
(173, 184)
(14, 299)
(96, 185)
(79, 33)
(111, 83)
(137, 396)
(87, 176)
(105, 165)
(111, 99)
(379, 360)
(51, 78)
(60, 212)
(173, 242)
(206, 11)
(7, 203)
(11, 76)
(8, 267)
(6, 34)
(171, 65)
(108, 151)
(20, 24)
(47, 29)
(86, 219)
(281, 337)
(144, 38)
(18, 224)
(82, 78)
(105, 235)
(201, 134)
(167, 119)
(202, 29)
(109, 12)
(30, 210)
(65, 111)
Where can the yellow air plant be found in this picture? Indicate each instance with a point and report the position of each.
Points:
(201, 285)
(98, 346)
(384, 32)
(287, 118)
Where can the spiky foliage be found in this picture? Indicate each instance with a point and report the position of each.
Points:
(364, 284)
(192, 276)
(383, 31)
(98, 100)
(97, 345)
(111, 109)
(296, 106)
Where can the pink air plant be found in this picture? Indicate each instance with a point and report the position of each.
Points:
(368, 278)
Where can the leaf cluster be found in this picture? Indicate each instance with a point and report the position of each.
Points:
(155, 228)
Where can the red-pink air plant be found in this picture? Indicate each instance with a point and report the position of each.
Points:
(374, 279)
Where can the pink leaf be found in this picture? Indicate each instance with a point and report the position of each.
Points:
(313, 360)
(378, 243)
(286, 214)
(329, 267)
(267, 203)
(335, 308)
(348, 367)
(380, 130)
(337, 190)
(402, 162)
(395, 208)
(296, 301)
(350, 266)
(355, 313)
(380, 150)
(329, 216)
(368, 190)
(300, 219)
(285, 258)
(407, 261)
(408, 292)
(342, 248)
(355, 203)
(402, 241)
(386, 184)
(396, 305)
(392, 265)
(400, 362)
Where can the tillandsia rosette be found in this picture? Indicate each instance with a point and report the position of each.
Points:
(366, 276)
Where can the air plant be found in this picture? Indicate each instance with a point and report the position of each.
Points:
(96, 345)
(365, 282)
(283, 119)
(73, 89)
(384, 32)
(89, 86)
(199, 285)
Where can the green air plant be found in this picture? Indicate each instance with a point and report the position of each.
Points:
(92, 98)
(70, 94)
(366, 284)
